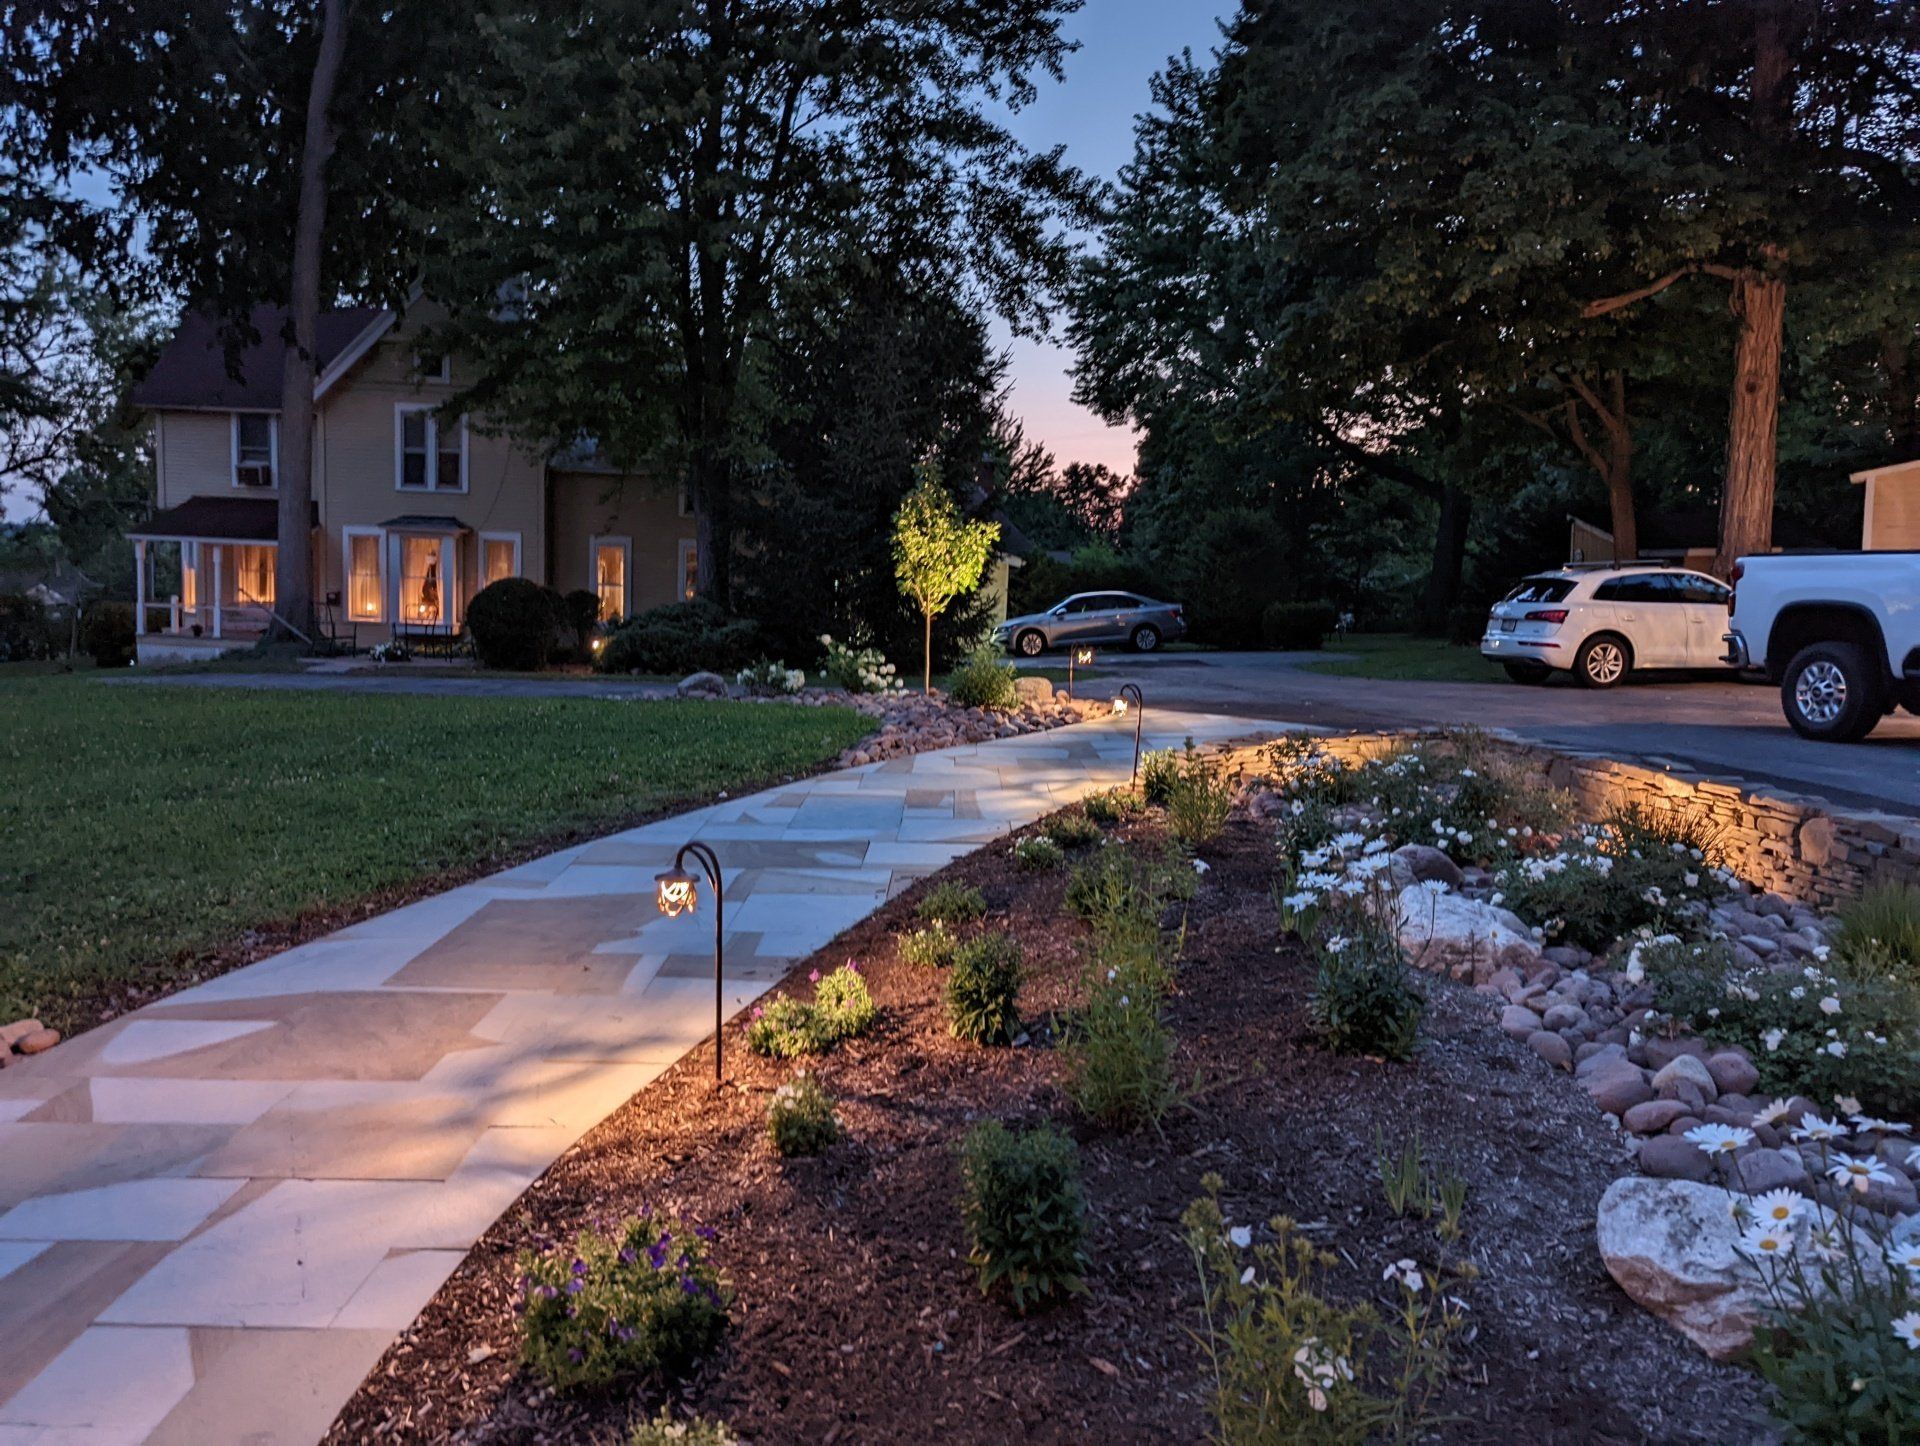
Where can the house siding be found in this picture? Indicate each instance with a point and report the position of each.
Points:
(646, 509)
(196, 458)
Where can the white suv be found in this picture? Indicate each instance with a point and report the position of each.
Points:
(1602, 623)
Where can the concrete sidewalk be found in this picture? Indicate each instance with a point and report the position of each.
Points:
(216, 1212)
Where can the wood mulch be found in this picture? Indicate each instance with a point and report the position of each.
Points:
(858, 1319)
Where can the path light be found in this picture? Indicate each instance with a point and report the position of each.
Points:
(1130, 693)
(1084, 658)
(677, 892)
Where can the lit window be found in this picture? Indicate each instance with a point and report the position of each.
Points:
(689, 569)
(610, 578)
(250, 576)
(364, 584)
(421, 589)
(499, 558)
(430, 455)
(253, 449)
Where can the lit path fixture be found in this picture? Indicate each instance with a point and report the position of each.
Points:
(1081, 656)
(1130, 693)
(678, 892)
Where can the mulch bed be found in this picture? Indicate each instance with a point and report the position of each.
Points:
(857, 1318)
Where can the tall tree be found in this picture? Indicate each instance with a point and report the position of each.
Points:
(655, 174)
(938, 556)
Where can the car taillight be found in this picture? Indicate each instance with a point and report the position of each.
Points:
(1548, 615)
(1177, 615)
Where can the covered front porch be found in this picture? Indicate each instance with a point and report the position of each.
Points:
(204, 577)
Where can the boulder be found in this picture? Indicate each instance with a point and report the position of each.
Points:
(1446, 933)
(12, 1034)
(39, 1042)
(1662, 1052)
(1669, 1244)
(1519, 1022)
(1564, 1016)
(1552, 1048)
(1685, 1069)
(1669, 1157)
(1033, 690)
(1653, 1116)
(1762, 1170)
(702, 685)
(1733, 1073)
(1428, 865)
(1616, 1085)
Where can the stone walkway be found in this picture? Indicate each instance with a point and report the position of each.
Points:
(216, 1212)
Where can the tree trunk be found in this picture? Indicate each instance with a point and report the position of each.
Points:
(1746, 499)
(1442, 593)
(926, 653)
(1903, 399)
(293, 563)
(1618, 471)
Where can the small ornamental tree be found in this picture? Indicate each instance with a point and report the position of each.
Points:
(938, 555)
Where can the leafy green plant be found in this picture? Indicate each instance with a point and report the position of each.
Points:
(938, 554)
(1038, 854)
(1606, 881)
(1159, 767)
(952, 902)
(1200, 799)
(1112, 805)
(642, 1301)
(983, 990)
(1295, 626)
(514, 624)
(841, 1008)
(665, 1430)
(1887, 916)
(1364, 1000)
(930, 947)
(1072, 829)
(1403, 1173)
(770, 678)
(984, 680)
(1024, 1212)
(856, 670)
(801, 1118)
(1110, 885)
(1450, 1198)
(1119, 1052)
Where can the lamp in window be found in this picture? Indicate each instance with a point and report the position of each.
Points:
(1130, 696)
(677, 892)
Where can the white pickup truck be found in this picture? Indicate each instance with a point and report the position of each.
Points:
(1838, 631)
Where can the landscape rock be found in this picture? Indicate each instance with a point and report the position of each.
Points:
(1564, 1016)
(1653, 1116)
(1669, 1157)
(1669, 1244)
(1426, 864)
(1616, 1087)
(1552, 1048)
(1686, 1069)
(39, 1042)
(1662, 1052)
(1732, 1072)
(1030, 689)
(1447, 933)
(701, 685)
(12, 1034)
(1762, 1170)
(1519, 1021)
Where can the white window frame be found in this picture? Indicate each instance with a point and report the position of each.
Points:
(347, 534)
(685, 500)
(508, 537)
(433, 487)
(689, 548)
(448, 556)
(625, 544)
(233, 451)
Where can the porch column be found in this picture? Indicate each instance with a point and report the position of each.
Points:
(217, 589)
(139, 586)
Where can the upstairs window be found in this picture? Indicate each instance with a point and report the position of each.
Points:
(431, 366)
(256, 448)
(429, 455)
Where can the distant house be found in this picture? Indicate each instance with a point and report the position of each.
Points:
(1892, 520)
(57, 586)
(413, 513)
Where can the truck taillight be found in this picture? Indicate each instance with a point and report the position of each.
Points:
(1548, 615)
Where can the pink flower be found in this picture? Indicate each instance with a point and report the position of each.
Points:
(813, 977)
(758, 1011)
(854, 965)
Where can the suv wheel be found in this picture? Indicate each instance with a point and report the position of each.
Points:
(1527, 672)
(1832, 693)
(1603, 661)
(1030, 644)
(1146, 638)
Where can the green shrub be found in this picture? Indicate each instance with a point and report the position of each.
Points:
(1119, 1054)
(513, 625)
(106, 634)
(1295, 626)
(1887, 915)
(1072, 829)
(1110, 886)
(1159, 768)
(664, 1430)
(770, 678)
(983, 990)
(1364, 1001)
(857, 670)
(643, 1301)
(580, 614)
(841, 1008)
(26, 632)
(984, 680)
(682, 637)
(1024, 1212)
(1112, 805)
(800, 1117)
(1609, 880)
(952, 902)
(930, 947)
(1038, 853)
(1200, 799)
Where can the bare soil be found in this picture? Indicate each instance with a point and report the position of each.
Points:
(858, 1319)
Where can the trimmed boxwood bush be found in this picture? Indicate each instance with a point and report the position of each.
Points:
(513, 624)
(1025, 1212)
(983, 990)
(1297, 625)
(107, 634)
(682, 637)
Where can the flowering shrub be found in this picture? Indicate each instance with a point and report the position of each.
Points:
(394, 651)
(770, 678)
(1200, 798)
(1607, 880)
(841, 1008)
(1072, 828)
(1024, 1212)
(1038, 853)
(952, 902)
(983, 681)
(800, 1117)
(983, 990)
(1112, 805)
(1846, 1026)
(1364, 1001)
(930, 947)
(857, 670)
(640, 1301)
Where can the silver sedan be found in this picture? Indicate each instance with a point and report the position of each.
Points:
(1094, 617)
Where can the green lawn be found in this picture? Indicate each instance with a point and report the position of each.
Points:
(1401, 655)
(139, 822)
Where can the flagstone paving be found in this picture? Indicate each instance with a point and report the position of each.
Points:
(217, 1211)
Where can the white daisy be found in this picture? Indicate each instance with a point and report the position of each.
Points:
(1907, 1328)
(1813, 1128)
(1720, 1139)
(1859, 1173)
(1779, 1208)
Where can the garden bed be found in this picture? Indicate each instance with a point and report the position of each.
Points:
(857, 1316)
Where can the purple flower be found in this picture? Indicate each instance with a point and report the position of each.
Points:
(547, 1292)
(579, 1266)
(576, 1355)
(690, 1285)
(657, 1255)
(627, 1257)
(707, 1232)
(853, 965)
(575, 1286)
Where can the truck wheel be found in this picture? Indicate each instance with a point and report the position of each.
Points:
(1602, 662)
(1527, 672)
(1833, 693)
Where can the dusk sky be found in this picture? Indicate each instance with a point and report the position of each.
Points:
(1122, 44)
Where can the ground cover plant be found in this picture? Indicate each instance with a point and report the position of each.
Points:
(149, 834)
(789, 1026)
(857, 1310)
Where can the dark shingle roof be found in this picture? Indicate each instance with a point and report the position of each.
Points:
(222, 519)
(192, 368)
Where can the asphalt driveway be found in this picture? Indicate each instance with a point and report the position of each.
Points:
(1724, 728)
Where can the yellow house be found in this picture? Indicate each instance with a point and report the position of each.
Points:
(413, 512)
(1892, 522)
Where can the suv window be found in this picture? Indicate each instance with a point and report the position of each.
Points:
(1540, 590)
(1703, 590)
(1639, 587)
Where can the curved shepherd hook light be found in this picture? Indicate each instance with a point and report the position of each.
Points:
(1130, 693)
(677, 892)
